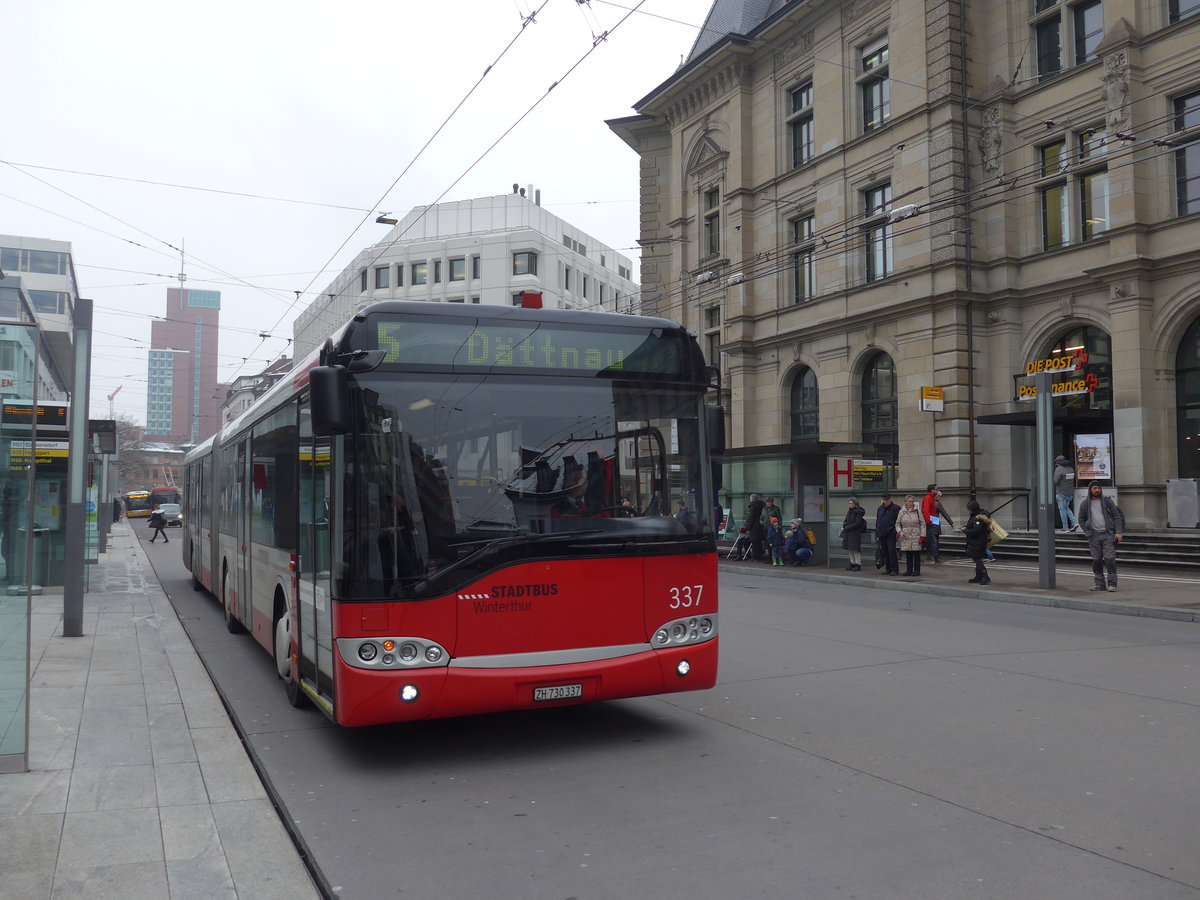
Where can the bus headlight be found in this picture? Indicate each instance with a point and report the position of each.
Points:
(409, 693)
(396, 653)
(683, 667)
(681, 632)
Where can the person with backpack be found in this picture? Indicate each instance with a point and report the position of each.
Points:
(976, 530)
(797, 548)
(1103, 523)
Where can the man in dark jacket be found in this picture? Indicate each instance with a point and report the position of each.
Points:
(756, 528)
(885, 533)
(979, 525)
(1104, 524)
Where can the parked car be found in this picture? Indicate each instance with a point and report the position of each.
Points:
(173, 513)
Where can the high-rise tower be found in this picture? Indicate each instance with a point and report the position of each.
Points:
(182, 371)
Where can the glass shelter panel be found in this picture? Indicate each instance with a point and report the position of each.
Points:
(22, 547)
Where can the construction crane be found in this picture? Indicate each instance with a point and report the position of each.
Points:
(112, 409)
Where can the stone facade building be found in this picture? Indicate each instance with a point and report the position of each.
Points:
(854, 201)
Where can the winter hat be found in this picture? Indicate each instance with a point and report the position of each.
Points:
(774, 521)
(886, 497)
(1060, 458)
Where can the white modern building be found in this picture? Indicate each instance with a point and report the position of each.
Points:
(38, 283)
(241, 393)
(488, 250)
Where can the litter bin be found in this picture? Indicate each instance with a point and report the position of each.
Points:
(41, 557)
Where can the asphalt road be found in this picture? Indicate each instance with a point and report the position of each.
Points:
(885, 746)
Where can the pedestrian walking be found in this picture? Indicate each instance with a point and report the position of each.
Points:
(976, 530)
(885, 533)
(910, 535)
(158, 522)
(1104, 524)
(1064, 489)
(854, 526)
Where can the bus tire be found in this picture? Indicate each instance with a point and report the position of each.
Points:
(283, 654)
(232, 625)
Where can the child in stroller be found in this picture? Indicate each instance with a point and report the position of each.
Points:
(742, 547)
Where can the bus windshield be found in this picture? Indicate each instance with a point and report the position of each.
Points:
(450, 477)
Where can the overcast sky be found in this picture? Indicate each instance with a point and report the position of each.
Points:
(302, 101)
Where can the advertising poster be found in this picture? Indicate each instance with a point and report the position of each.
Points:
(1093, 457)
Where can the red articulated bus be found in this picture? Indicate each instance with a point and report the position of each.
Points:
(451, 510)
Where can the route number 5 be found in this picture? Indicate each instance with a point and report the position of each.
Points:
(686, 597)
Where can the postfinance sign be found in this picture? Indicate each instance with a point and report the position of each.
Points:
(1084, 385)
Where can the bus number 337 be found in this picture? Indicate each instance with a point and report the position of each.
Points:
(686, 597)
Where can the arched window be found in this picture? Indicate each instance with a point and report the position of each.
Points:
(806, 407)
(879, 401)
(1187, 402)
(1099, 363)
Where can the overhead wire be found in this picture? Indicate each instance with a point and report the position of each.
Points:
(185, 187)
(596, 43)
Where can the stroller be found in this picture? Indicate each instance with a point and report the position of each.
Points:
(742, 547)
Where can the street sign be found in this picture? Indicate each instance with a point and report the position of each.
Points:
(933, 399)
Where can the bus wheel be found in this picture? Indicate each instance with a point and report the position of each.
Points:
(295, 696)
(232, 625)
(283, 654)
(283, 643)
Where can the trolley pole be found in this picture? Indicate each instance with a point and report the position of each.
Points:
(1045, 492)
(75, 537)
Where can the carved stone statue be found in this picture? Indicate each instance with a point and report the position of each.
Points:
(991, 143)
(1116, 91)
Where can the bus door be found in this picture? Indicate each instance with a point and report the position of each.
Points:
(241, 573)
(313, 632)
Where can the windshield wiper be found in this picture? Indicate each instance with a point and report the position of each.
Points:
(492, 545)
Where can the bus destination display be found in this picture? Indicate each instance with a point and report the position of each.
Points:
(493, 347)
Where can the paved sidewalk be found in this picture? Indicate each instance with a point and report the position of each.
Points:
(138, 785)
(1159, 593)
